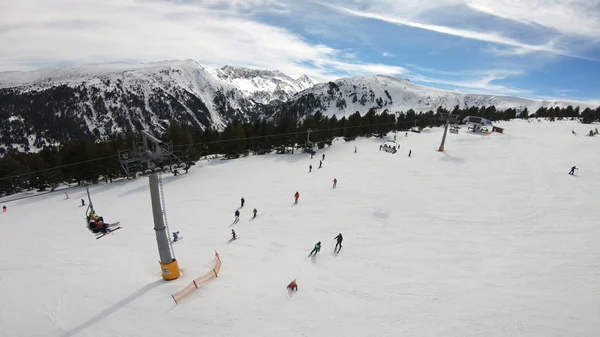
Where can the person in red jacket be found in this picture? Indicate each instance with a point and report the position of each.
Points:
(293, 286)
(334, 182)
(296, 197)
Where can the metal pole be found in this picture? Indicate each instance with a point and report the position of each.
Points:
(162, 237)
(91, 206)
(441, 149)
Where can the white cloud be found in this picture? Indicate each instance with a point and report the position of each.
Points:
(570, 17)
(476, 72)
(94, 31)
(467, 34)
(482, 81)
(562, 20)
(387, 54)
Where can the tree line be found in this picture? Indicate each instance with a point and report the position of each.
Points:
(77, 162)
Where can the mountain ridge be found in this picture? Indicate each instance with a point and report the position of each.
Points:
(101, 101)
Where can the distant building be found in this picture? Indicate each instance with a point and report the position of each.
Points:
(478, 124)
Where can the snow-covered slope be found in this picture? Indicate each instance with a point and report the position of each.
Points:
(441, 244)
(264, 86)
(348, 95)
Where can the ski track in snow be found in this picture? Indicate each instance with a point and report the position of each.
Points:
(490, 238)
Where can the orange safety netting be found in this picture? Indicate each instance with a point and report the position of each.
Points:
(197, 282)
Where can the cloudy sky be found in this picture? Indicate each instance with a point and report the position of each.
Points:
(533, 48)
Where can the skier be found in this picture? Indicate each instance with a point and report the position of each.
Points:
(320, 164)
(311, 156)
(175, 236)
(243, 201)
(323, 156)
(334, 182)
(98, 222)
(237, 216)
(355, 149)
(4, 209)
(66, 195)
(293, 286)
(309, 168)
(233, 235)
(406, 134)
(296, 197)
(572, 172)
(254, 211)
(380, 147)
(339, 239)
(82, 202)
(409, 153)
(315, 250)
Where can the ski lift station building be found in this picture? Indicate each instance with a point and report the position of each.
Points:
(478, 122)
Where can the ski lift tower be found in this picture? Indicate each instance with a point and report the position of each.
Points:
(449, 116)
(151, 158)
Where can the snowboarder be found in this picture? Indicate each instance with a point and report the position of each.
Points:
(409, 153)
(237, 216)
(175, 236)
(339, 239)
(309, 168)
(233, 235)
(4, 209)
(574, 133)
(254, 211)
(334, 182)
(296, 197)
(293, 286)
(243, 201)
(320, 164)
(572, 172)
(82, 202)
(315, 250)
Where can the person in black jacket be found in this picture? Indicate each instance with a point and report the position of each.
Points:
(572, 172)
(339, 239)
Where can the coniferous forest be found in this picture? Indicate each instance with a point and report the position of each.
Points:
(84, 161)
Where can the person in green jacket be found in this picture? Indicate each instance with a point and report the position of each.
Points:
(254, 211)
(316, 250)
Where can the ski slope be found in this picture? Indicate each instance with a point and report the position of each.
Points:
(490, 238)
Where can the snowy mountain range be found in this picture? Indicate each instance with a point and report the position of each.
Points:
(264, 86)
(53, 105)
(347, 95)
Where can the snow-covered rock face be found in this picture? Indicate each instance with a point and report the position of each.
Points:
(346, 96)
(264, 86)
(58, 104)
